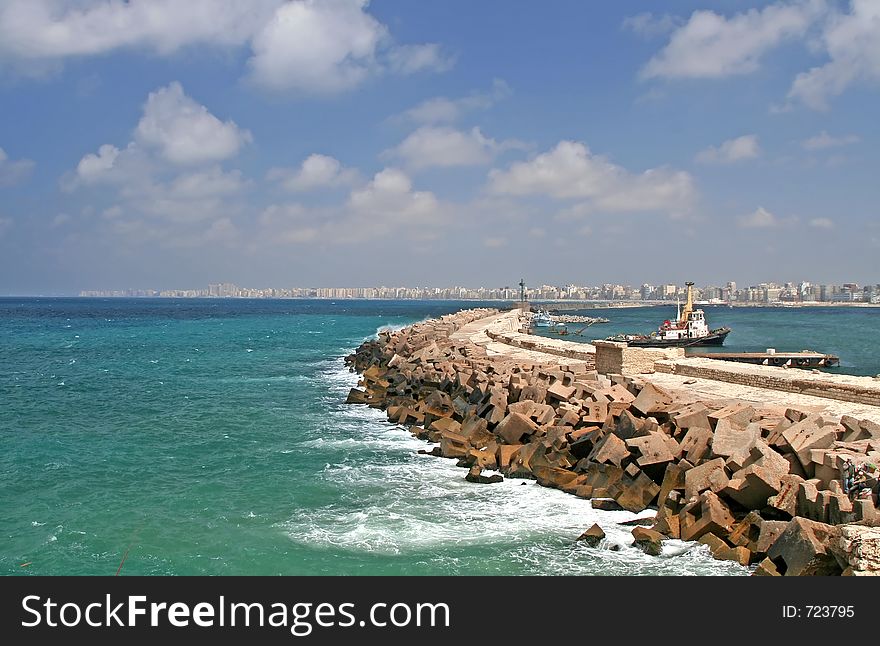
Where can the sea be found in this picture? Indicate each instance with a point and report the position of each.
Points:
(211, 437)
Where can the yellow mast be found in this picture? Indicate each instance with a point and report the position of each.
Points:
(689, 306)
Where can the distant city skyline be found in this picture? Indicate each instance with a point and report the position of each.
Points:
(767, 292)
(286, 142)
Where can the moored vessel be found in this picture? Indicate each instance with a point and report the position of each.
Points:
(689, 329)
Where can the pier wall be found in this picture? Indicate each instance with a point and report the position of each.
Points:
(858, 390)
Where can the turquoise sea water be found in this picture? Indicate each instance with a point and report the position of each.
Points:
(851, 333)
(211, 437)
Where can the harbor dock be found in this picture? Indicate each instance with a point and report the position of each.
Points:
(803, 359)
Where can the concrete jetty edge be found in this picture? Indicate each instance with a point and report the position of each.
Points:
(761, 474)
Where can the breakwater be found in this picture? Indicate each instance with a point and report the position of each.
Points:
(780, 488)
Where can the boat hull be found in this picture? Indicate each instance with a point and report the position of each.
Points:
(715, 337)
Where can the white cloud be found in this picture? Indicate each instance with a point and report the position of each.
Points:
(647, 25)
(443, 146)
(184, 132)
(761, 218)
(385, 207)
(445, 110)
(710, 45)
(822, 223)
(853, 44)
(329, 46)
(571, 171)
(824, 140)
(496, 242)
(13, 172)
(313, 46)
(93, 167)
(316, 172)
(732, 150)
(46, 30)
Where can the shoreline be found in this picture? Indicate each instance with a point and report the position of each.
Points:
(754, 481)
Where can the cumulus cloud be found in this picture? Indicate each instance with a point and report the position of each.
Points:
(730, 151)
(316, 172)
(572, 171)
(185, 132)
(852, 42)
(313, 46)
(444, 146)
(387, 206)
(710, 45)
(13, 172)
(329, 46)
(442, 109)
(41, 30)
(761, 218)
(824, 140)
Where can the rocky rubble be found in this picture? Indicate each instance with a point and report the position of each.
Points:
(759, 485)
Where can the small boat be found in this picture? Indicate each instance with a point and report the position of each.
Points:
(689, 329)
(542, 318)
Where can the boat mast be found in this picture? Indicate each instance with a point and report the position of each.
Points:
(689, 306)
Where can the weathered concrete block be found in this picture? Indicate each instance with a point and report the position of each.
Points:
(695, 414)
(505, 453)
(730, 439)
(560, 392)
(770, 531)
(515, 428)
(786, 500)
(804, 436)
(453, 445)
(752, 486)
(610, 450)
(635, 494)
(696, 480)
(593, 536)
(706, 514)
(651, 449)
(652, 399)
(696, 443)
(738, 414)
(648, 540)
(805, 548)
(445, 424)
(673, 479)
(766, 568)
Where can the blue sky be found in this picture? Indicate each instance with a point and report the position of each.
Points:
(160, 144)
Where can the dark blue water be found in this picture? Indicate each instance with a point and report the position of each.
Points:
(851, 333)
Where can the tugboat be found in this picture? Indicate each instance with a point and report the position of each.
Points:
(689, 329)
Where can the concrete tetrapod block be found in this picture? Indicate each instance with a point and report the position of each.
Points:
(696, 443)
(730, 439)
(635, 494)
(515, 428)
(610, 450)
(696, 480)
(738, 414)
(652, 399)
(804, 436)
(805, 548)
(648, 540)
(593, 536)
(651, 449)
(706, 514)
